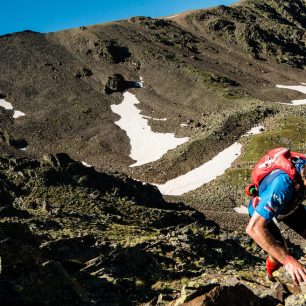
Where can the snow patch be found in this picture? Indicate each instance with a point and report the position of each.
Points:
(8, 106)
(207, 172)
(295, 102)
(255, 130)
(203, 174)
(139, 84)
(183, 125)
(18, 114)
(146, 145)
(86, 165)
(155, 119)
(299, 102)
(242, 210)
(299, 88)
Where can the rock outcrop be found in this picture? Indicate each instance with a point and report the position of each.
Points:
(262, 28)
(71, 235)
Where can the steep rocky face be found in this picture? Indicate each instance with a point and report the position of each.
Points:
(71, 235)
(263, 29)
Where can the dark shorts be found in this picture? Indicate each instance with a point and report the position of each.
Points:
(295, 221)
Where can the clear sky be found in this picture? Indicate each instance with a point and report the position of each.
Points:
(54, 15)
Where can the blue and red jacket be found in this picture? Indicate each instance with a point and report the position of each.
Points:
(277, 194)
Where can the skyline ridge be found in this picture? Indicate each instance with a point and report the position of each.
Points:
(51, 17)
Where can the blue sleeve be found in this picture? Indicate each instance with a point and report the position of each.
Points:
(274, 199)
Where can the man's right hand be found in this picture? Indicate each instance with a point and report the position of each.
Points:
(295, 269)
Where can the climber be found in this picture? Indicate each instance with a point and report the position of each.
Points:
(277, 191)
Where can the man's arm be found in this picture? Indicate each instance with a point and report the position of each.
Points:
(257, 229)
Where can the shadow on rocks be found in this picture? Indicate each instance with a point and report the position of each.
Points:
(238, 295)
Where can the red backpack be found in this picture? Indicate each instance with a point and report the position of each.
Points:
(279, 158)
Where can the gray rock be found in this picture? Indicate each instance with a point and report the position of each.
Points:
(295, 300)
(279, 292)
(115, 83)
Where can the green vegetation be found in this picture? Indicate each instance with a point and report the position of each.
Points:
(237, 177)
(285, 132)
(129, 235)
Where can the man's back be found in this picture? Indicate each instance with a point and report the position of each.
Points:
(276, 193)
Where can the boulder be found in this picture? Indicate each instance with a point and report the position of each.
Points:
(279, 291)
(237, 295)
(115, 83)
(115, 52)
(9, 139)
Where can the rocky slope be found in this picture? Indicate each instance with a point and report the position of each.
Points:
(74, 236)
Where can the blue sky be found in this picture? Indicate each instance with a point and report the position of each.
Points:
(54, 15)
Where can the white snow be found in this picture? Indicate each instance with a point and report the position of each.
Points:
(183, 125)
(140, 82)
(146, 145)
(155, 119)
(18, 114)
(162, 119)
(5, 104)
(86, 165)
(203, 174)
(242, 210)
(255, 130)
(24, 149)
(8, 106)
(299, 88)
(299, 102)
(295, 102)
(207, 172)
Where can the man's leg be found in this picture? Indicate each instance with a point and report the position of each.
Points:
(271, 263)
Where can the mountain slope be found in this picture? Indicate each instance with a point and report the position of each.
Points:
(89, 236)
(204, 69)
(71, 235)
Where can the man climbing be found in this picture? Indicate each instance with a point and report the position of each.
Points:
(277, 190)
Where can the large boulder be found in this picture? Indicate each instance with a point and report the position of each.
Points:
(115, 83)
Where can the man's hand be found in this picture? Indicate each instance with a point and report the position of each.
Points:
(295, 269)
(257, 229)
